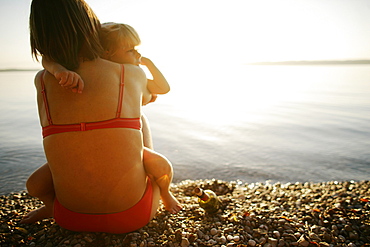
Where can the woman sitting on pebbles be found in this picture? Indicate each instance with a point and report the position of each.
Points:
(92, 141)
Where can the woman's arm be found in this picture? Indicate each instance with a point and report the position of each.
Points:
(159, 84)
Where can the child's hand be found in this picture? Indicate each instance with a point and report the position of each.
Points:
(70, 80)
(154, 98)
(144, 61)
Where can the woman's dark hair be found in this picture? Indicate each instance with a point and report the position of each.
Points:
(64, 31)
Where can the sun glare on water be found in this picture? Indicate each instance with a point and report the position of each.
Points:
(244, 92)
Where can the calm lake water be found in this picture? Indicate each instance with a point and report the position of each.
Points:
(250, 123)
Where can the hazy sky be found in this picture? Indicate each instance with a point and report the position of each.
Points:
(209, 31)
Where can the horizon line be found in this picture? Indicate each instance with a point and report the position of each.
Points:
(286, 62)
(313, 62)
(19, 69)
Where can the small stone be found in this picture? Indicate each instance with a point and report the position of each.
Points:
(282, 221)
(223, 239)
(324, 244)
(314, 236)
(276, 234)
(353, 235)
(192, 237)
(262, 240)
(282, 243)
(303, 241)
(143, 243)
(151, 244)
(342, 238)
(251, 242)
(88, 239)
(185, 242)
(200, 234)
(212, 242)
(327, 237)
(273, 242)
(228, 229)
(348, 228)
(73, 242)
(213, 231)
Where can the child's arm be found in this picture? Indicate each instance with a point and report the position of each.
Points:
(67, 79)
(159, 84)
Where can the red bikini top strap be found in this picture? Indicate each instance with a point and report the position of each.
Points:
(121, 89)
(46, 105)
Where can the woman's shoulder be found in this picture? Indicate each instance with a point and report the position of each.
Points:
(98, 68)
(40, 76)
(37, 80)
(134, 72)
(103, 64)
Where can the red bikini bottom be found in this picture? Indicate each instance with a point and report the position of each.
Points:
(129, 220)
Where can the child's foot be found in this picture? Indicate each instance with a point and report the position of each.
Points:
(171, 204)
(36, 215)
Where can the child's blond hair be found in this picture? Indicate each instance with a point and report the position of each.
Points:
(115, 35)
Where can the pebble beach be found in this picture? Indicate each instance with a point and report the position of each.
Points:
(260, 214)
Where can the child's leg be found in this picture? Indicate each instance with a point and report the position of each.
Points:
(160, 169)
(40, 184)
(147, 134)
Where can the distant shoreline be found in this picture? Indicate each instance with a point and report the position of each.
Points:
(315, 62)
(19, 70)
(302, 62)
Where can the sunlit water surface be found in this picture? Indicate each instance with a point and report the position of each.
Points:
(248, 123)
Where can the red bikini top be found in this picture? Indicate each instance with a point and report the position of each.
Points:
(117, 122)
